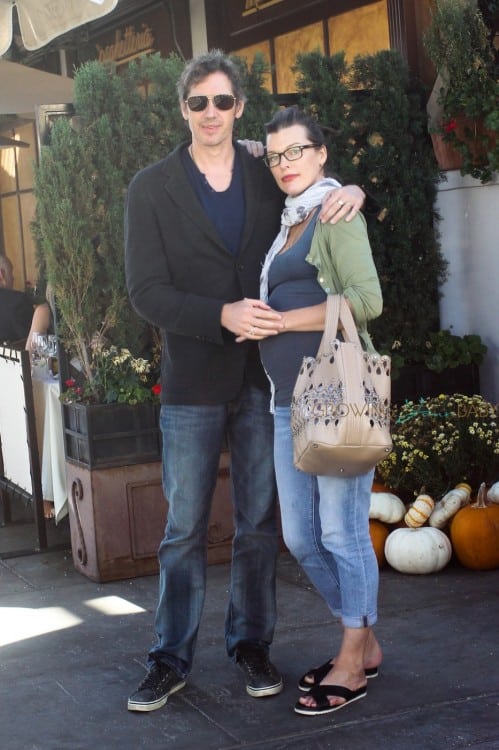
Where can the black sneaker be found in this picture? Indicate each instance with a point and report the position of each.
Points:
(159, 683)
(262, 678)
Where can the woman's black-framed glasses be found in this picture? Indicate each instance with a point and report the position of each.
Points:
(221, 101)
(290, 154)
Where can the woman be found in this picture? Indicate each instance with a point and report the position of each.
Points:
(43, 318)
(325, 519)
(42, 322)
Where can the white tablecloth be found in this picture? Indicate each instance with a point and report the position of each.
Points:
(13, 423)
(50, 440)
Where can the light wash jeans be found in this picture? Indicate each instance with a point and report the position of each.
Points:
(192, 440)
(325, 523)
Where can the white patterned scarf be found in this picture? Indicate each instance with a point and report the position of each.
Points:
(296, 210)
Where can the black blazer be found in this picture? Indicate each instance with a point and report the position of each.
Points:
(16, 313)
(180, 274)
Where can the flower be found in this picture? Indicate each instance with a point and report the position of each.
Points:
(117, 377)
(441, 441)
(459, 42)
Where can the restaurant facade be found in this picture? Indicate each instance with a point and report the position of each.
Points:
(278, 29)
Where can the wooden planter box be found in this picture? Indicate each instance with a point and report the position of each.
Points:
(111, 435)
(477, 137)
(117, 518)
(447, 158)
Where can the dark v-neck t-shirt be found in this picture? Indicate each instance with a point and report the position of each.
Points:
(225, 208)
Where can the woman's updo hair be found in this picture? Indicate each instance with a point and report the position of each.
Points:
(285, 118)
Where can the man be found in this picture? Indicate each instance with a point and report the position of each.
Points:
(16, 310)
(197, 227)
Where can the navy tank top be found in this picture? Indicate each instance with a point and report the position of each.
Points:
(292, 283)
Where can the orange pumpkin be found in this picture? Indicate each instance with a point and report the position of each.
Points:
(474, 533)
(379, 533)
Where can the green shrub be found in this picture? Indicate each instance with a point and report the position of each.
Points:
(378, 138)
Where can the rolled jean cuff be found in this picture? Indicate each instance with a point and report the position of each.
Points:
(359, 622)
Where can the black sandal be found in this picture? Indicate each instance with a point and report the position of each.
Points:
(321, 693)
(320, 672)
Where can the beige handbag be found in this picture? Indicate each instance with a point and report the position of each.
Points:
(340, 410)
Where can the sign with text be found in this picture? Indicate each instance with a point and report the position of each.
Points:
(127, 45)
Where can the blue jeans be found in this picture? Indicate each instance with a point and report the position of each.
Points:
(192, 440)
(325, 522)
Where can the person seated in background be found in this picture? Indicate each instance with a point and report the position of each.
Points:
(16, 308)
(42, 323)
(43, 318)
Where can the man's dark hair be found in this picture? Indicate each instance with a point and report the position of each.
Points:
(214, 61)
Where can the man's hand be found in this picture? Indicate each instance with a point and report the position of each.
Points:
(342, 203)
(255, 148)
(251, 319)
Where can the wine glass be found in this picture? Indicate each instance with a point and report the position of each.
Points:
(51, 346)
(38, 349)
(51, 351)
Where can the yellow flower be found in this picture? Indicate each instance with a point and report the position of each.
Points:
(441, 441)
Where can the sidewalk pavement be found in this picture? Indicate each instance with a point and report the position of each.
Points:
(72, 650)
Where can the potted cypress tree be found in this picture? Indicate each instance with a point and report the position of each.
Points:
(464, 119)
(112, 441)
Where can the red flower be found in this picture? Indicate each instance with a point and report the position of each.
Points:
(449, 126)
(70, 382)
(156, 389)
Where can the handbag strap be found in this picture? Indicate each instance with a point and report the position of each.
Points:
(350, 332)
(338, 311)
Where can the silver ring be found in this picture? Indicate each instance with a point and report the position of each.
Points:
(251, 331)
(340, 203)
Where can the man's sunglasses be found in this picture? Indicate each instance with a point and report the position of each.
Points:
(221, 101)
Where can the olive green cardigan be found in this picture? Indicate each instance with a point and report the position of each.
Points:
(343, 258)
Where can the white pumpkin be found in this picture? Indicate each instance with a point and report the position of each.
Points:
(448, 506)
(418, 551)
(493, 493)
(419, 511)
(386, 507)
